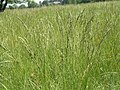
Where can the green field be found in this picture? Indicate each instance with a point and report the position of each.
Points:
(71, 47)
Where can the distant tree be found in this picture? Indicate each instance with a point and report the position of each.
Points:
(65, 2)
(69, 1)
(51, 0)
(81, 1)
(22, 6)
(17, 1)
(13, 7)
(45, 2)
(32, 4)
(74, 2)
(10, 1)
(85, 1)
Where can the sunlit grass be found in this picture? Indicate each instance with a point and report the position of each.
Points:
(61, 48)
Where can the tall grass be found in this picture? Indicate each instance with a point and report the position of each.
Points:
(61, 48)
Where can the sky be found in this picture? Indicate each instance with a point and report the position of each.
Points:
(37, 1)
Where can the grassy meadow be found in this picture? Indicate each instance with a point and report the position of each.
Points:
(71, 47)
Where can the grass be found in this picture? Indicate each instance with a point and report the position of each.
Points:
(61, 48)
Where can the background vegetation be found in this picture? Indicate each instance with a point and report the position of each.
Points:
(33, 4)
(62, 1)
(61, 48)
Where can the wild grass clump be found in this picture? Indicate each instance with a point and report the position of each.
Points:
(61, 48)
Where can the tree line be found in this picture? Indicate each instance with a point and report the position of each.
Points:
(62, 1)
(32, 4)
(81, 1)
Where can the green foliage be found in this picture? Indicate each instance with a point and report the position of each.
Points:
(85, 1)
(16, 1)
(22, 6)
(81, 1)
(13, 7)
(32, 4)
(75, 1)
(45, 2)
(71, 47)
(10, 1)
